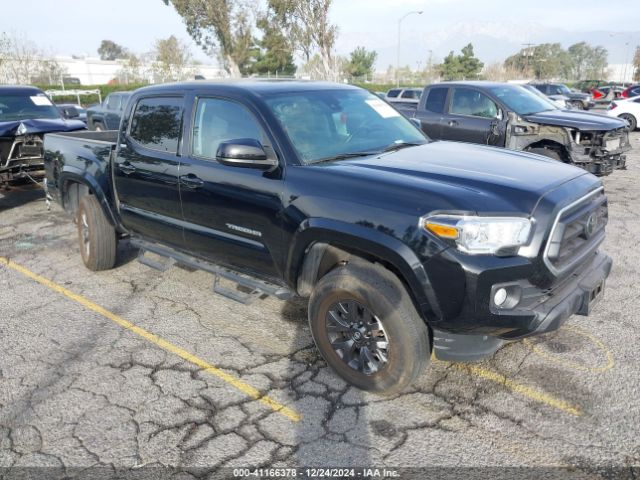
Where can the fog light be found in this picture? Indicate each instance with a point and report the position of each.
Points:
(500, 297)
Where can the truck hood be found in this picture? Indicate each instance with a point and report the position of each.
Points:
(584, 121)
(461, 176)
(44, 125)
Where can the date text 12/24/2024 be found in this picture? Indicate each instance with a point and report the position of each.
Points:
(315, 473)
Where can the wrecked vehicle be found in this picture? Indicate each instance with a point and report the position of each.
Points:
(26, 114)
(508, 115)
(404, 247)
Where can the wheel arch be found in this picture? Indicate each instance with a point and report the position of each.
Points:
(323, 245)
(75, 184)
(550, 144)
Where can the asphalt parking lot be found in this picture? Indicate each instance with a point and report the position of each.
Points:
(133, 367)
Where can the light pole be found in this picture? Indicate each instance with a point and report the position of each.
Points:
(626, 53)
(417, 12)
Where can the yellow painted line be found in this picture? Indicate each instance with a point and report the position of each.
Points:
(523, 390)
(574, 365)
(207, 367)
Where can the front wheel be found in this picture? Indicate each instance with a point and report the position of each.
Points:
(631, 120)
(367, 328)
(96, 235)
(578, 105)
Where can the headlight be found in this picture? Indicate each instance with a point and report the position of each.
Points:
(475, 235)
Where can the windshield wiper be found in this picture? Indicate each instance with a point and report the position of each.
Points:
(400, 145)
(343, 156)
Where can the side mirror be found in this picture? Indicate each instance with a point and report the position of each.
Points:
(244, 152)
(499, 114)
(416, 122)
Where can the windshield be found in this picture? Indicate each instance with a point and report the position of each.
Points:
(521, 100)
(22, 106)
(333, 123)
(564, 89)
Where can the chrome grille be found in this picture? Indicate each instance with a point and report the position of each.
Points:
(577, 232)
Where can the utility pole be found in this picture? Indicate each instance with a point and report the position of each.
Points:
(417, 12)
(528, 54)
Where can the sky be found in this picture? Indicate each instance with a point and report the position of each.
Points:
(497, 27)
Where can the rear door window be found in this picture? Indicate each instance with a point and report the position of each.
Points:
(156, 123)
(393, 93)
(436, 99)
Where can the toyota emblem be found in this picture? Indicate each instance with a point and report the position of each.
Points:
(591, 225)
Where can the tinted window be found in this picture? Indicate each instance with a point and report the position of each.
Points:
(411, 94)
(436, 99)
(472, 103)
(635, 91)
(219, 121)
(156, 123)
(542, 88)
(393, 93)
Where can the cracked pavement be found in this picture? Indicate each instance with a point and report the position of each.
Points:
(79, 391)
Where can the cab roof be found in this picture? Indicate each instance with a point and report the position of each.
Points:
(19, 89)
(255, 86)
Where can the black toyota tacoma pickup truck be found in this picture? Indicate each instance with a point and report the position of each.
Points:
(508, 115)
(404, 246)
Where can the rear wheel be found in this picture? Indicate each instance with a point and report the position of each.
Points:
(633, 122)
(97, 237)
(367, 329)
(547, 152)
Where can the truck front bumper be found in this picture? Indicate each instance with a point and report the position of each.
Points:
(531, 311)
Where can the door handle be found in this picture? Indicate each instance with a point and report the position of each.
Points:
(453, 123)
(191, 181)
(127, 168)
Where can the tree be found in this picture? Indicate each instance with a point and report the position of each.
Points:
(461, 67)
(132, 71)
(273, 53)
(585, 61)
(548, 60)
(221, 26)
(110, 50)
(309, 30)
(171, 60)
(636, 65)
(21, 59)
(361, 62)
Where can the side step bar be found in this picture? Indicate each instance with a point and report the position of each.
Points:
(256, 288)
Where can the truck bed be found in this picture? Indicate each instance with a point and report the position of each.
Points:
(84, 157)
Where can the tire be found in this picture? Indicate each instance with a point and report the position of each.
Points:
(578, 105)
(381, 300)
(98, 127)
(546, 152)
(633, 122)
(96, 236)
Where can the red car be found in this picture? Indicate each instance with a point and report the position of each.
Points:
(632, 91)
(606, 93)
